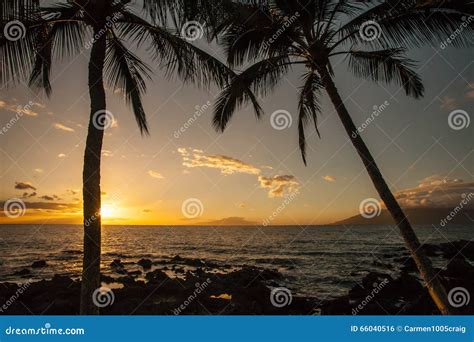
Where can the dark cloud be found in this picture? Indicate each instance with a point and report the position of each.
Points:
(28, 195)
(48, 206)
(72, 191)
(24, 186)
(50, 198)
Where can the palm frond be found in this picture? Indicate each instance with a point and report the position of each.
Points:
(126, 73)
(255, 31)
(409, 24)
(308, 108)
(258, 79)
(390, 65)
(17, 39)
(174, 54)
(68, 28)
(231, 99)
(40, 74)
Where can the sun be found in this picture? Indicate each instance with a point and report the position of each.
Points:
(107, 211)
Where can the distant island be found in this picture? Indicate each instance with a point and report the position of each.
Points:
(416, 216)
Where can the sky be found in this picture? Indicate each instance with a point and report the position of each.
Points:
(185, 173)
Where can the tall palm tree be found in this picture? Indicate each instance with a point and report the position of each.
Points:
(275, 35)
(60, 31)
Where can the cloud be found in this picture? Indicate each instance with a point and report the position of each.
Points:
(279, 185)
(49, 198)
(62, 127)
(107, 153)
(39, 170)
(72, 191)
(61, 155)
(155, 174)
(20, 109)
(449, 103)
(329, 178)
(24, 186)
(28, 195)
(470, 91)
(227, 165)
(435, 191)
(48, 206)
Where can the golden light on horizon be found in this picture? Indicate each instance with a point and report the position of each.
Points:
(108, 210)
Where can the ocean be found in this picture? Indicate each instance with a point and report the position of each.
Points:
(318, 261)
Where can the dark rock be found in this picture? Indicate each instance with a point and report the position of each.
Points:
(117, 263)
(408, 264)
(39, 264)
(125, 280)
(156, 276)
(106, 279)
(145, 263)
(59, 280)
(23, 272)
(459, 267)
(177, 258)
(134, 273)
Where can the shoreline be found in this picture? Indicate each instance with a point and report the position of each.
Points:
(245, 291)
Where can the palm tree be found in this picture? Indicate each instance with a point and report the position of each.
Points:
(61, 31)
(273, 36)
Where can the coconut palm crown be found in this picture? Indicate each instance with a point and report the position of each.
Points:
(36, 36)
(271, 38)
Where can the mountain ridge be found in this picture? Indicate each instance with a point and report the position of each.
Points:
(416, 216)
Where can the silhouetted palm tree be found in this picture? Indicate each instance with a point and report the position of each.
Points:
(61, 31)
(275, 35)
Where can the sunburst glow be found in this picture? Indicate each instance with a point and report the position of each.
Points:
(108, 211)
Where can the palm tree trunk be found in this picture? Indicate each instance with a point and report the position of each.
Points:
(91, 178)
(427, 272)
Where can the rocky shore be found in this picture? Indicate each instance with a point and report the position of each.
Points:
(244, 290)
